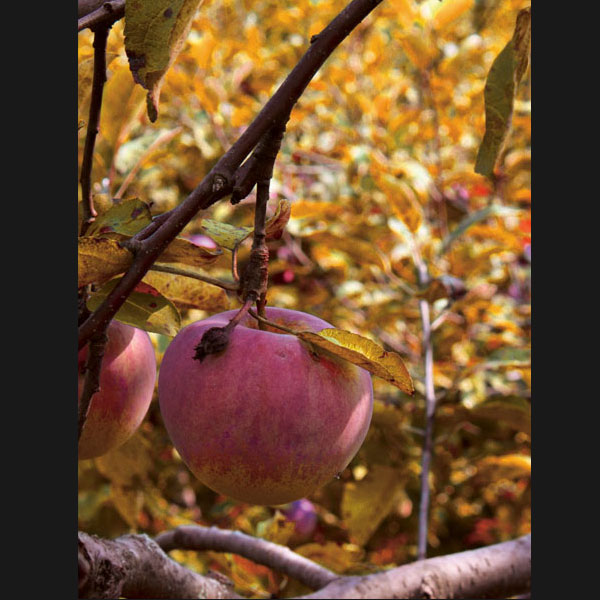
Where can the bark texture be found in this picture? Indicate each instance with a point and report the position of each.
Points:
(134, 566)
(497, 571)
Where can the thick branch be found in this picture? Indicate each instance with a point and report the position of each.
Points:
(275, 556)
(134, 566)
(497, 571)
(219, 181)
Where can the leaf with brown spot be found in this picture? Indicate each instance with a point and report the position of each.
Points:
(127, 217)
(155, 31)
(145, 308)
(362, 352)
(100, 259)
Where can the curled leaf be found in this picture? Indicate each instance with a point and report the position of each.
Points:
(505, 74)
(363, 352)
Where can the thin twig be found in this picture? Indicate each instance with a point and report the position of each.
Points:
(218, 183)
(91, 383)
(163, 138)
(99, 78)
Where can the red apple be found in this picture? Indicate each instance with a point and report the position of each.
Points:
(263, 421)
(127, 380)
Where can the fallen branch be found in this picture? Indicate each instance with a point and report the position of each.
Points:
(280, 558)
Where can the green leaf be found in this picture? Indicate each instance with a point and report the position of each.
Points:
(145, 308)
(127, 217)
(155, 31)
(225, 235)
(504, 76)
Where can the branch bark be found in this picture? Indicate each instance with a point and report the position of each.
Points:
(497, 571)
(275, 556)
(134, 566)
(219, 181)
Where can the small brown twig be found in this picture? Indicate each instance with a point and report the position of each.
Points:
(99, 78)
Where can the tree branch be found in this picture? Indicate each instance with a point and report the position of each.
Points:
(219, 181)
(99, 12)
(497, 571)
(275, 556)
(91, 383)
(134, 566)
(99, 78)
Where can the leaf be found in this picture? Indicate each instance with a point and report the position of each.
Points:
(338, 558)
(444, 286)
(145, 308)
(127, 217)
(183, 251)
(402, 199)
(311, 208)
(225, 235)
(363, 352)
(504, 76)
(188, 292)
(513, 411)
(450, 10)
(155, 31)
(509, 466)
(229, 236)
(276, 224)
(366, 503)
(100, 259)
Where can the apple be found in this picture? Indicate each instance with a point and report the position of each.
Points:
(264, 421)
(127, 380)
(304, 516)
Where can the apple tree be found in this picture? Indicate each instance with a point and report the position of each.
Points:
(304, 305)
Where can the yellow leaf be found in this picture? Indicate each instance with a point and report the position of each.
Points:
(276, 224)
(450, 10)
(336, 557)
(510, 466)
(363, 352)
(100, 259)
(308, 208)
(188, 292)
(367, 502)
(127, 217)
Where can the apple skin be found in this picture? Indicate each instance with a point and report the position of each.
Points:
(263, 422)
(304, 516)
(127, 380)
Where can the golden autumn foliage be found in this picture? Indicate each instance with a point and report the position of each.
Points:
(375, 176)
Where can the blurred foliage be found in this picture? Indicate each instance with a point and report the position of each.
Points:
(378, 165)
